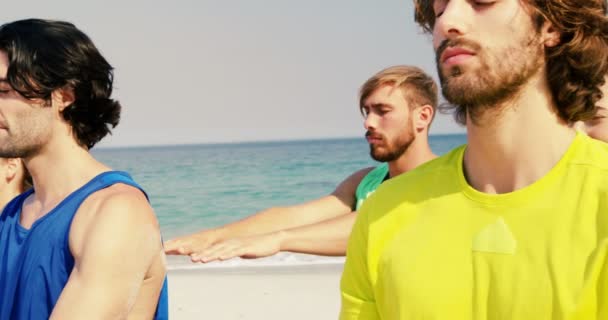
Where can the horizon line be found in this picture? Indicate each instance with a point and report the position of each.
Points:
(220, 143)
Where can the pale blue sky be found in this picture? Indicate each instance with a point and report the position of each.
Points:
(240, 70)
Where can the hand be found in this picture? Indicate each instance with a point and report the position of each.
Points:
(247, 247)
(192, 243)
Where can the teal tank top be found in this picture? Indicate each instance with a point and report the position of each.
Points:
(370, 183)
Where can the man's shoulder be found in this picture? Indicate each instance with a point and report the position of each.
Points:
(118, 198)
(118, 203)
(109, 212)
(592, 153)
(373, 173)
(426, 181)
(426, 174)
(352, 182)
(382, 168)
(362, 173)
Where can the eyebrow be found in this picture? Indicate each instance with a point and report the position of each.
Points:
(378, 105)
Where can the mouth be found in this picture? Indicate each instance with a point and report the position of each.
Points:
(373, 138)
(455, 55)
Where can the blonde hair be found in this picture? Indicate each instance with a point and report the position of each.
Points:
(418, 88)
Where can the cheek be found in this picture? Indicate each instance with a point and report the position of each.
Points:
(599, 131)
(436, 40)
(396, 121)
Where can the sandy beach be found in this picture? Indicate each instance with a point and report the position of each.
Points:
(265, 292)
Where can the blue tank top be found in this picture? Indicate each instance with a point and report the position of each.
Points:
(35, 264)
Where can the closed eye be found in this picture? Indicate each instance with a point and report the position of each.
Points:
(483, 3)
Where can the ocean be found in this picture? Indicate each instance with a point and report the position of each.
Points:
(194, 187)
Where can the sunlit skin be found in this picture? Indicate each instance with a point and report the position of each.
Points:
(25, 125)
(396, 133)
(132, 257)
(491, 56)
(492, 60)
(387, 134)
(12, 175)
(597, 127)
(478, 69)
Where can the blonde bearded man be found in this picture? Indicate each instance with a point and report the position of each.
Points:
(398, 104)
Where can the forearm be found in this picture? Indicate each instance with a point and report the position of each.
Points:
(328, 238)
(273, 220)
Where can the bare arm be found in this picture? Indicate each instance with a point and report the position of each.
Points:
(328, 238)
(339, 203)
(114, 242)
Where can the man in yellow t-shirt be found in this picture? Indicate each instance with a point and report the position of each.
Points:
(514, 225)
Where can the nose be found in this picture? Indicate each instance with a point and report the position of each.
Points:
(371, 121)
(453, 22)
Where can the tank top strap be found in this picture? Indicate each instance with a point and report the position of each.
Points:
(102, 181)
(370, 183)
(70, 205)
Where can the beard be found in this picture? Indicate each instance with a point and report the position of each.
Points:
(26, 139)
(21, 148)
(391, 150)
(496, 80)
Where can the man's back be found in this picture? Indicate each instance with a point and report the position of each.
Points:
(444, 250)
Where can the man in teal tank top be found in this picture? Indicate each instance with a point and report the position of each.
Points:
(398, 105)
(84, 243)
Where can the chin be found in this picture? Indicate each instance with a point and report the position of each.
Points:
(380, 157)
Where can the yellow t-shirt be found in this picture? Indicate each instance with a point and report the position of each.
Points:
(426, 245)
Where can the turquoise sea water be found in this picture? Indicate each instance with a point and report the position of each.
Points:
(200, 186)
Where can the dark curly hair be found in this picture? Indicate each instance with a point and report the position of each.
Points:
(576, 67)
(45, 56)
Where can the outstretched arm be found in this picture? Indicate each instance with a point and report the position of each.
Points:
(113, 244)
(327, 238)
(339, 203)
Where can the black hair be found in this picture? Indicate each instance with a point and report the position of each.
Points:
(44, 56)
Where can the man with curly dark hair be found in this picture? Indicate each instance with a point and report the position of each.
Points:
(83, 243)
(513, 225)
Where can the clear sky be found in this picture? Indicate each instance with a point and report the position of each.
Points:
(242, 70)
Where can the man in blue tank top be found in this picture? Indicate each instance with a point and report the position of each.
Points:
(83, 243)
(398, 105)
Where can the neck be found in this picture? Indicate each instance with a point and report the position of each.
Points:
(418, 153)
(59, 169)
(520, 145)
